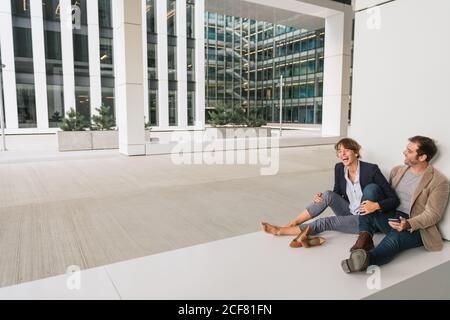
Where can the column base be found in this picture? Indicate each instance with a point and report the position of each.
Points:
(133, 150)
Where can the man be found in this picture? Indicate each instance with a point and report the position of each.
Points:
(423, 193)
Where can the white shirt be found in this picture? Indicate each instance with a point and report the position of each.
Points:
(354, 191)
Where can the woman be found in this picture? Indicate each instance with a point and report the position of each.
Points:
(359, 188)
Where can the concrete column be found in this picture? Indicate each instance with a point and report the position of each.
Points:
(9, 72)
(163, 71)
(336, 83)
(145, 61)
(181, 63)
(94, 55)
(67, 55)
(200, 64)
(40, 74)
(128, 48)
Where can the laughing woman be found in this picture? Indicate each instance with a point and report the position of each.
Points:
(359, 188)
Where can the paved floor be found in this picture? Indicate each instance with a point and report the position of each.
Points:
(97, 208)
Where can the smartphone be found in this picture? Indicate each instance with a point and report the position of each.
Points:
(394, 220)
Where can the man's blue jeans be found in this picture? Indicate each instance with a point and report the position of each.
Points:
(394, 242)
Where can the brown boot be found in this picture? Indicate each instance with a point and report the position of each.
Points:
(364, 242)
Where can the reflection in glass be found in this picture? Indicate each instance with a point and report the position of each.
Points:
(191, 64)
(151, 60)
(171, 21)
(153, 107)
(104, 14)
(82, 101)
(172, 57)
(108, 98)
(191, 108)
(20, 8)
(151, 21)
(55, 100)
(53, 52)
(23, 50)
(173, 112)
(81, 4)
(26, 106)
(190, 18)
(52, 10)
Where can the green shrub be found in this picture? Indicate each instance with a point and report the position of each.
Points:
(74, 122)
(104, 120)
(237, 116)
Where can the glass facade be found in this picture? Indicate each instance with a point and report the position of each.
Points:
(172, 60)
(171, 17)
(106, 55)
(81, 60)
(151, 21)
(190, 19)
(191, 108)
(173, 110)
(53, 62)
(246, 58)
(23, 58)
(153, 107)
(152, 62)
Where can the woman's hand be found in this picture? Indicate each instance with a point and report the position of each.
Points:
(318, 198)
(368, 207)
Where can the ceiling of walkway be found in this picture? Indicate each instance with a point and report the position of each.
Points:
(281, 12)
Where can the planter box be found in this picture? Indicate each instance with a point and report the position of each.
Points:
(74, 140)
(103, 140)
(92, 140)
(242, 132)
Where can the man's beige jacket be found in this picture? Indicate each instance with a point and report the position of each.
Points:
(427, 205)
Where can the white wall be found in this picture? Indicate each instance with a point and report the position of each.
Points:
(401, 80)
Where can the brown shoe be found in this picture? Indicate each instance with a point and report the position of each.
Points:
(364, 242)
(296, 243)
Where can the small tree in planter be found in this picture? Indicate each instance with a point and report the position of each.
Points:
(103, 137)
(104, 120)
(220, 116)
(74, 121)
(255, 119)
(73, 136)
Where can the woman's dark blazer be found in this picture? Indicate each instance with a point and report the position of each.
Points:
(368, 173)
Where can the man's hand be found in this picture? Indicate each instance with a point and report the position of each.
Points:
(318, 198)
(400, 226)
(368, 207)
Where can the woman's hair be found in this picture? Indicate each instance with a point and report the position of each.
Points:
(350, 144)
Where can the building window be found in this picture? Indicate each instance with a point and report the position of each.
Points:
(151, 60)
(20, 8)
(104, 14)
(52, 10)
(173, 111)
(23, 50)
(153, 107)
(81, 4)
(191, 108)
(172, 59)
(53, 52)
(171, 15)
(151, 21)
(55, 100)
(82, 101)
(190, 19)
(26, 106)
(191, 64)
